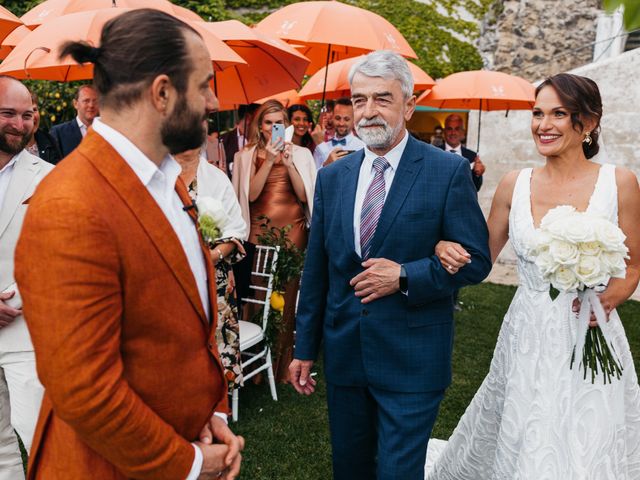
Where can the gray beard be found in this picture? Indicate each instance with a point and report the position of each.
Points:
(378, 138)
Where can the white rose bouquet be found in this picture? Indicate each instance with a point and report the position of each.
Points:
(212, 218)
(578, 251)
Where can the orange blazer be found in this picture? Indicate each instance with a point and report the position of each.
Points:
(128, 360)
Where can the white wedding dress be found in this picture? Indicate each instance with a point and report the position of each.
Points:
(533, 418)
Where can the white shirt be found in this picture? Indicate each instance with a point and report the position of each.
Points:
(365, 178)
(322, 151)
(82, 127)
(451, 149)
(5, 177)
(160, 182)
(241, 140)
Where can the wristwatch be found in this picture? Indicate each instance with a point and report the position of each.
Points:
(404, 281)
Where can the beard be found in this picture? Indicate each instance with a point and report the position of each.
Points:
(377, 138)
(13, 147)
(184, 129)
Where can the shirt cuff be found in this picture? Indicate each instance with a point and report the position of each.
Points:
(196, 468)
(223, 416)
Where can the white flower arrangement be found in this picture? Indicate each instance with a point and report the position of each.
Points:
(578, 251)
(212, 218)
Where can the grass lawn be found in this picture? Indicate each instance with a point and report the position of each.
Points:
(289, 439)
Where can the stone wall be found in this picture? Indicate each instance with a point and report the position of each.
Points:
(537, 38)
(506, 143)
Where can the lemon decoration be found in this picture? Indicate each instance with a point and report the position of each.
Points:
(277, 301)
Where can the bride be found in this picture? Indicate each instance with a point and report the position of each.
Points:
(533, 417)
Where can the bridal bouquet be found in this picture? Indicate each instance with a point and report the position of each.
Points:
(578, 251)
(212, 218)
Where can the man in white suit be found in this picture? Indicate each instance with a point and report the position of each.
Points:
(20, 173)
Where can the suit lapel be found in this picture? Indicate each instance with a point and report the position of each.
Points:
(24, 174)
(128, 186)
(408, 170)
(348, 187)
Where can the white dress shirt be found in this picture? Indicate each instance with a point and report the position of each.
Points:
(451, 149)
(365, 178)
(82, 127)
(5, 178)
(160, 182)
(322, 151)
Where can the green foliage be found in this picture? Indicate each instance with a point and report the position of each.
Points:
(20, 7)
(55, 101)
(631, 12)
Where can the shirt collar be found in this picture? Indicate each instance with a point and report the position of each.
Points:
(457, 149)
(12, 162)
(80, 124)
(141, 165)
(392, 156)
(347, 137)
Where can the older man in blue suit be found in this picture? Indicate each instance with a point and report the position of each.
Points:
(69, 134)
(374, 292)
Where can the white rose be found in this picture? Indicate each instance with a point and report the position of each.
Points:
(590, 248)
(613, 263)
(545, 263)
(564, 279)
(589, 271)
(611, 237)
(574, 229)
(555, 214)
(563, 253)
(213, 208)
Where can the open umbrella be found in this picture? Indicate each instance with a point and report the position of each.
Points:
(51, 9)
(8, 22)
(288, 98)
(272, 65)
(11, 40)
(480, 90)
(333, 30)
(337, 80)
(36, 56)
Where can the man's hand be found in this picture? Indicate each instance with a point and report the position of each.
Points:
(335, 154)
(318, 134)
(220, 449)
(301, 379)
(7, 313)
(381, 278)
(478, 167)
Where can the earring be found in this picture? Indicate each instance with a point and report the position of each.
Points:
(587, 138)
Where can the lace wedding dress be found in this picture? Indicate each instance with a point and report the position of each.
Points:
(534, 418)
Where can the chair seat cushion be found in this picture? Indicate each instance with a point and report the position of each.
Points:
(250, 334)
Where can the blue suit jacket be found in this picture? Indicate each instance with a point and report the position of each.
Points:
(67, 135)
(399, 342)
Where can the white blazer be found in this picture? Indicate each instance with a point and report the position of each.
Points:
(302, 160)
(28, 171)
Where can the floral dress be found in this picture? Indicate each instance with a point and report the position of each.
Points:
(228, 328)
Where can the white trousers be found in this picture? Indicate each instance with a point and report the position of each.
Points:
(20, 399)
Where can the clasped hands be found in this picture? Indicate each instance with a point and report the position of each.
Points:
(220, 449)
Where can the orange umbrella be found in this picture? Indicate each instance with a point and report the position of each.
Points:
(480, 90)
(288, 98)
(337, 80)
(36, 56)
(12, 40)
(50, 9)
(8, 22)
(327, 31)
(272, 65)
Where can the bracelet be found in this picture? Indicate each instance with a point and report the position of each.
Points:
(220, 255)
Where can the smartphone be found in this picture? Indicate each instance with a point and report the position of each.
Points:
(277, 132)
(347, 152)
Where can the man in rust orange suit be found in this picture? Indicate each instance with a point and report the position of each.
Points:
(118, 288)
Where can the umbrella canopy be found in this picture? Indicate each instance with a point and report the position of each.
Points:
(51, 9)
(8, 22)
(12, 40)
(337, 80)
(272, 65)
(327, 31)
(288, 98)
(36, 56)
(480, 90)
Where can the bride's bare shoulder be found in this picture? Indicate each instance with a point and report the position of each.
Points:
(626, 179)
(506, 185)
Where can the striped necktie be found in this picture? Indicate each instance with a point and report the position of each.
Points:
(372, 206)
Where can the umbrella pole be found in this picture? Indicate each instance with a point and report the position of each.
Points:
(479, 124)
(326, 73)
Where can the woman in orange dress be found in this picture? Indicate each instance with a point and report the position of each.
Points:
(276, 181)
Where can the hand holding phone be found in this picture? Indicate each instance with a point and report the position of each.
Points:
(277, 134)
